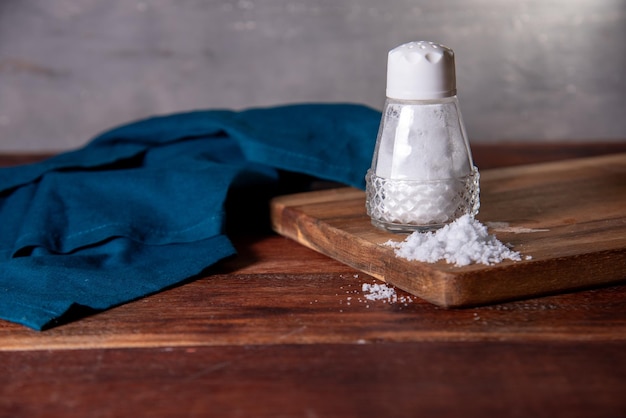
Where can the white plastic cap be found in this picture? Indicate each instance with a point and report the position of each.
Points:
(420, 71)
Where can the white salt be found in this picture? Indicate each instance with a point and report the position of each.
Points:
(379, 291)
(421, 163)
(462, 242)
(383, 292)
(419, 142)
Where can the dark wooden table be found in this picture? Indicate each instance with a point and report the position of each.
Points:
(281, 331)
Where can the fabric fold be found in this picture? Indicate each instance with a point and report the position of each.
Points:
(142, 207)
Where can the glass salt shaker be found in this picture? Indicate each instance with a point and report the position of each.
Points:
(422, 175)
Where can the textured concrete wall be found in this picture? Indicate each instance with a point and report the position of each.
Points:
(527, 69)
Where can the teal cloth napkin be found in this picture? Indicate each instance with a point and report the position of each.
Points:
(142, 207)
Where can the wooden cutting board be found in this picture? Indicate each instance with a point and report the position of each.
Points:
(569, 217)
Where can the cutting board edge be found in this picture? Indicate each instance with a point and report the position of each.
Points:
(586, 271)
(446, 288)
(554, 166)
(425, 281)
(455, 289)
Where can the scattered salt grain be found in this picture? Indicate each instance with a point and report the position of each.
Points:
(379, 291)
(383, 292)
(462, 242)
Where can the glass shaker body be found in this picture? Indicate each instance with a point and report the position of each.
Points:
(422, 174)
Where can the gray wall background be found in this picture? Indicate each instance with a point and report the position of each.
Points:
(539, 70)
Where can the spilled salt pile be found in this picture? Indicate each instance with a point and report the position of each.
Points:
(462, 242)
(383, 292)
(378, 292)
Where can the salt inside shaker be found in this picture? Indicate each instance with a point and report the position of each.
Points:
(422, 174)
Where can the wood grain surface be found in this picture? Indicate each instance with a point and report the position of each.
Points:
(283, 331)
(421, 379)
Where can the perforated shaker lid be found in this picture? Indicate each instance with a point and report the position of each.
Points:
(421, 71)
